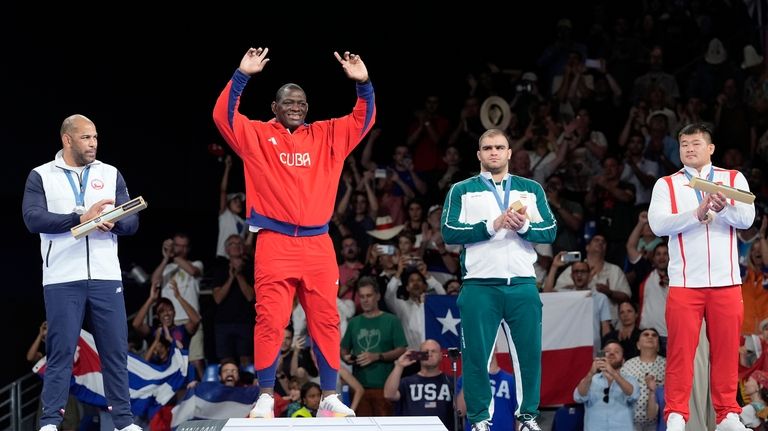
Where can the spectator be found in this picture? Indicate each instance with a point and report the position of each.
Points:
(426, 393)
(607, 392)
(234, 297)
(372, 342)
(605, 277)
(648, 364)
(186, 274)
(653, 296)
(310, 401)
(504, 398)
(409, 305)
(230, 213)
(628, 334)
(229, 373)
(756, 388)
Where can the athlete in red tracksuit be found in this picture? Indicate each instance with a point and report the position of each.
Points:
(292, 171)
(704, 277)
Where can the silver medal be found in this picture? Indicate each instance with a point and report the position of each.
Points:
(79, 210)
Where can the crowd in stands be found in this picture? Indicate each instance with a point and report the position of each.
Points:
(594, 120)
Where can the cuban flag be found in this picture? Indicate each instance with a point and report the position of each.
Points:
(213, 400)
(151, 385)
(566, 339)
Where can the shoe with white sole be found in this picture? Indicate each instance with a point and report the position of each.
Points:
(131, 427)
(264, 408)
(675, 422)
(331, 406)
(731, 423)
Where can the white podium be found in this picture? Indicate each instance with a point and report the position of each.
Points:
(392, 423)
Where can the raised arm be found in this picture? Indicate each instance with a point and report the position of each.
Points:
(140, 320)
(224, 184)
(353, 66)
(225, 113)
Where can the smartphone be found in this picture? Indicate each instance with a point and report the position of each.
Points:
(601, 354)
(571, 256)
(418, 356)
(388, 249)
(592, 63)
(380, 173)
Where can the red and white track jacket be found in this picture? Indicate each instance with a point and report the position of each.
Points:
(701, 255)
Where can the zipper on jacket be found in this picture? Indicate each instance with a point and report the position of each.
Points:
(88, 257)
(48, 254)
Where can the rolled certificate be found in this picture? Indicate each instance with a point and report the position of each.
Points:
(729, 192)
(132, 206)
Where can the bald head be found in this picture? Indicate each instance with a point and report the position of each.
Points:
(72, 123)
(79, 140)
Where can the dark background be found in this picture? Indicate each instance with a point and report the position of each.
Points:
(149, 79)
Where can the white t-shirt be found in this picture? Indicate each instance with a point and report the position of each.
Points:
(189, 287)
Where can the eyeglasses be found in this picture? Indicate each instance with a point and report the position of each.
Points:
(605, 391)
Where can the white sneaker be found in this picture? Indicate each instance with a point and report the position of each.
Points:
(331, 406)
(481, 426)
(731, 423)
(49, 428)
(675, 422)
(131, 427)
(264, 408)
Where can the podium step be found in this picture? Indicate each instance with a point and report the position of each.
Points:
(391, 423)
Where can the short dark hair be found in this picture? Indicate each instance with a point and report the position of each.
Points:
(368, 281)
(694, 128)
(306, 387)
(285, 88)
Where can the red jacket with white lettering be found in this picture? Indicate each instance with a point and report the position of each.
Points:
(291, 178)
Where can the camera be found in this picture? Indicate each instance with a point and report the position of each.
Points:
(418, 355)
(454, 353)
(380, 173)
(571, 256)
(388, 249)
(524, 87)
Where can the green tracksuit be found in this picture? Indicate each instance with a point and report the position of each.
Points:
(499, 285)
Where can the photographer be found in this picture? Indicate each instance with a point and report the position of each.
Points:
(408, 303)
(426, 393)
(607, 393)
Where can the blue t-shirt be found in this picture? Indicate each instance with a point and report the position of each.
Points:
(427, 396)
(504, 401)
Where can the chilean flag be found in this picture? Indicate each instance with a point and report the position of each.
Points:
(566, 339)
(151, 385)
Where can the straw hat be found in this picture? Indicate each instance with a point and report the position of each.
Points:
(495, 113)
(751, 57)
(385, 229)
(716, 52)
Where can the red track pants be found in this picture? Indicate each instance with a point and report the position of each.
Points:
(724, 310)
(287, 265)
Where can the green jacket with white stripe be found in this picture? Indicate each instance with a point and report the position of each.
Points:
(468, 214)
